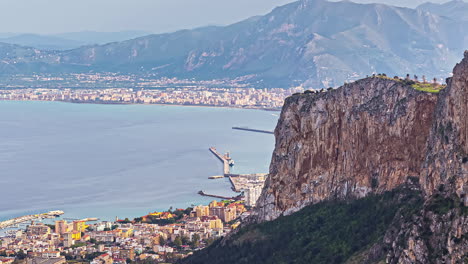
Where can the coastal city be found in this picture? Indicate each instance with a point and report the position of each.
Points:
(153, 238)
(222, 93)
(243, 98)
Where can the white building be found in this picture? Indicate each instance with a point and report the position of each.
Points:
(252, 194)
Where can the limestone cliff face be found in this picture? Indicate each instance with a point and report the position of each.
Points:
(372, 136)
(438, 234)
(447, 154)
(369, 136)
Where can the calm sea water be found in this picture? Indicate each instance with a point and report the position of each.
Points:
(121, 160)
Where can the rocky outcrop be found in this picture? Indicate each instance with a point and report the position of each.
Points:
(439, 234)
(370, 137)
(364, 137)
(447, 155)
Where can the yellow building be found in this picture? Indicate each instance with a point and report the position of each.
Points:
(235, 225)
(202, 211)
(79, 226)
(76, 235)
(126, 232)
(214, 204)
(216, 224)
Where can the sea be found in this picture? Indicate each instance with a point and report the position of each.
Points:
(108, 161)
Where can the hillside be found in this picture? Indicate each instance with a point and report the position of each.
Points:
(311, 42)
(329, 232)
(455, 9)
(338, 150)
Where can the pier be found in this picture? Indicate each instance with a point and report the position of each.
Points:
(226, 160)
(216, 177)
(253, 130)
(236, 198)
(26, 218)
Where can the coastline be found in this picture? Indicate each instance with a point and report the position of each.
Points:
(153, 159)
(125, 103)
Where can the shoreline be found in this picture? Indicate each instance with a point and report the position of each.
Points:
(124, 103)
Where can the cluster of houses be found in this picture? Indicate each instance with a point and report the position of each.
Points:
(123, 241)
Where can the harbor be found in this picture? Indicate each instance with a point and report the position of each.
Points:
(26, 218)
(248, 185)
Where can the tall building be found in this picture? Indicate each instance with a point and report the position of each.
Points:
(202, 210)
(226, 214)
(252, 194)
(127, 254)
(38, 230)
(214, 204)
(68, 240)
(61, 227)
(79, 226)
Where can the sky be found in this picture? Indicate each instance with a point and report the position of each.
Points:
(155, 16)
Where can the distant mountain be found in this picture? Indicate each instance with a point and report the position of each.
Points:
(311, 42)
(43, 42)
(94, 37)
(67, 41)
(457, 9)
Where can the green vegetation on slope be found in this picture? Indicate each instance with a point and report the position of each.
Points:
(427, 87)
(328, 232)
(420, 86)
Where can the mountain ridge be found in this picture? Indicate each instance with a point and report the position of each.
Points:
(310, 43)
(365, 142)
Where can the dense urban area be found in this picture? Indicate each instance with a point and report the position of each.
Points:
(156, 237)
(125, 89)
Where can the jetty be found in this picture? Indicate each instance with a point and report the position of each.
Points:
(27, 218)
(253, 130)
(236, 198)
(225, 159)
(216, 177)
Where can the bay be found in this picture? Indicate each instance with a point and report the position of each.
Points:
(104, 161)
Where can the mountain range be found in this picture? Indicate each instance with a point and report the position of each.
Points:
(66, 41)
(457, 9)
(373, 172)
(313, 43)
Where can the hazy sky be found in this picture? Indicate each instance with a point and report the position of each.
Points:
(57, 16)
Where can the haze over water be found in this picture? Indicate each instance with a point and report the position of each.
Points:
(121, 160)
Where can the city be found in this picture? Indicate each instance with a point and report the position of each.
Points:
(111, 88)
(157, 236)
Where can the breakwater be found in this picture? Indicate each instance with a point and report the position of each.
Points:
(26, 218)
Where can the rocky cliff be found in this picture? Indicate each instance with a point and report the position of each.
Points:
(364, 137)
(373, 172)
(370, 137)
(439, 233)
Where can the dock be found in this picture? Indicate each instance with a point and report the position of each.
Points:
(27, 218)
(226, 160)
(236, 198)
(253, 130)
(216, 177)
